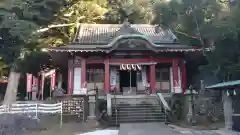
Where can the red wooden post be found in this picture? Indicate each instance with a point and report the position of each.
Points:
(184, 76)
(29, 82)
(107, 76)
(70, 77)
(176, 83)
(83, 72)
(53, 80)
(153, 78)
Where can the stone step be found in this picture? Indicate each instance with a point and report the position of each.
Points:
(138, 113)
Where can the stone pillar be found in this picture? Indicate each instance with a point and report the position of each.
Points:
(227, 109)
(92, 107)
(92, 119)
(189, 107)
(109, 104)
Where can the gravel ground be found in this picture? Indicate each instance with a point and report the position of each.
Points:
(70, 128)
(16, 124)
(26, 124)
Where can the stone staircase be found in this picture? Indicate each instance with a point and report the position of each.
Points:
(136, 113)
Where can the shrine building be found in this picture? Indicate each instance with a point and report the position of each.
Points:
(125, 59)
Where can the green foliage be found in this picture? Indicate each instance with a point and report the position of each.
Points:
(75, 12)
(18, 24)
(3, 67)
(190, 19)
(36, 61)
(137, 11)
(208, 23)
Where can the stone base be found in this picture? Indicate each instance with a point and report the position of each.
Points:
(92, 120)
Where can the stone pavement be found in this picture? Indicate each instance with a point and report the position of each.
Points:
(146, 129)
(163, 129)
(226, 132)
(188, 131)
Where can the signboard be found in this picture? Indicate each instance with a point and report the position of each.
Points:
(130, 67)
(29, 82)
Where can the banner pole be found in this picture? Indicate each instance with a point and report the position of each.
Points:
(42, 88)
(50, 93)
(61, 115)
(50, 90)
(36, 111)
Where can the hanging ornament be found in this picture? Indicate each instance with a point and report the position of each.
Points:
(134, 67)
(227, 93)
(128, 67)
(234, 93)
(139, 67)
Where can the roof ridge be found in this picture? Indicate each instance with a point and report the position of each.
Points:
(114, 25)
(103, 25)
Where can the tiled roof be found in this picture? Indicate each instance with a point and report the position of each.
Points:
(92, 34)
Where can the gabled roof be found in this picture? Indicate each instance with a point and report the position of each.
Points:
(92, 34)
(108, 37)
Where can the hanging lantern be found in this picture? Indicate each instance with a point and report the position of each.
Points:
(227, 93)
(234, 93)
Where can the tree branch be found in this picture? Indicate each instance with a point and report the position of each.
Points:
(185, 34)
(60, 25)
(54, 26)
(198, 30)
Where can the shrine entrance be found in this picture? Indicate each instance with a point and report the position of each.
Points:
(128, 77)
(128, 81)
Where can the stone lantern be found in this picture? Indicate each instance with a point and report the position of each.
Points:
(228, 91)
(227, 107)
(191, 95)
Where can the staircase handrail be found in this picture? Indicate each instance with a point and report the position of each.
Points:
(115, 100)
(163, 101)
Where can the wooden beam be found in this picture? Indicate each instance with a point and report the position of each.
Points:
(132, 61)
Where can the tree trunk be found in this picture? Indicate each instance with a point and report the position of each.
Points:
(12, 87)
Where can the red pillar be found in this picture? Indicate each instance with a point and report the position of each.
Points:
(184, 76)
(107, 76)
(70, 77)
(153, 78)
(175, 74)
(83, 72)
